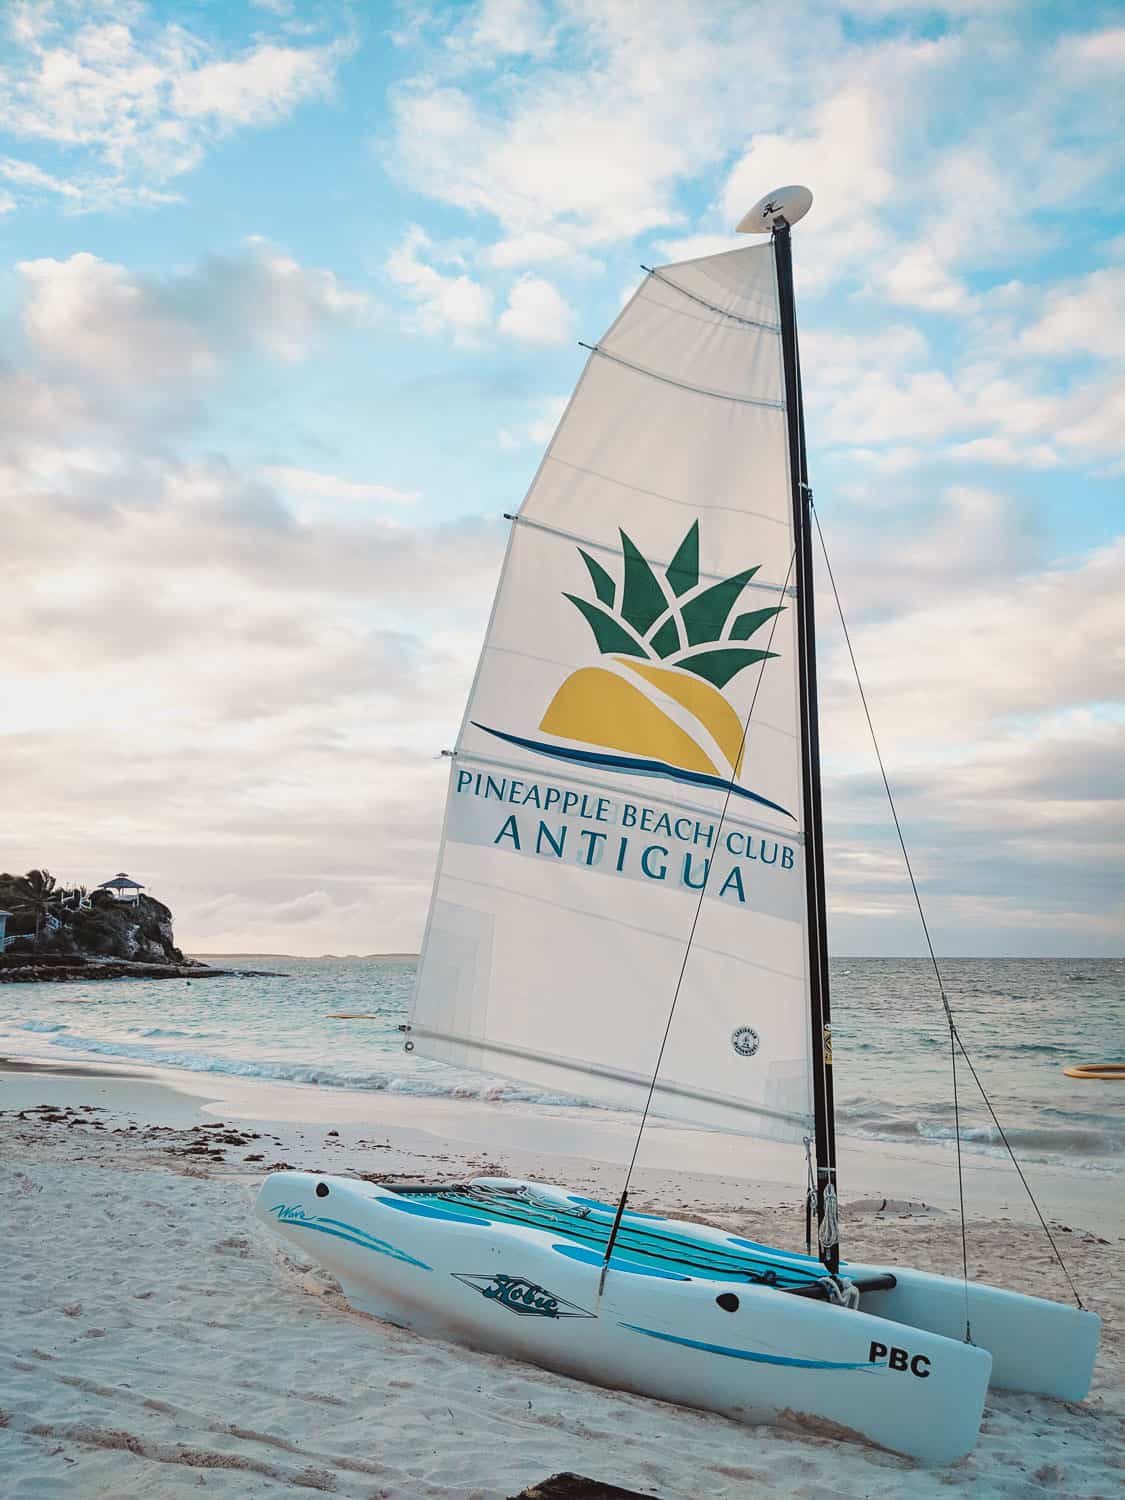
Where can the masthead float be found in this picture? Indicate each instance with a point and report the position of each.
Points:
(646, 703)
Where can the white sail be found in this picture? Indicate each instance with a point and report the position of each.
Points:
(600, 779)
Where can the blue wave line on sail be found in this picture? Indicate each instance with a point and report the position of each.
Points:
(626, 763)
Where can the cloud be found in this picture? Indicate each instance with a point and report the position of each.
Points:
(260, 88)
(531, 249)
(889, 405)
(95, 317)
(540, 426)
(993, 703)
(1029, 641)
(329, 486)
(322, 633)
(1002, 451)
(537, 313)
(919, 279)
(1086, 316)
(1098, 51)
(319, 668)
(846, 152)
(269, 298)
(26, 174)
(901, 550)
(694, 246)
(1091, 420)
(591, 143)
(506, 28)
(446, 302)
(99, 321)
(140, 100)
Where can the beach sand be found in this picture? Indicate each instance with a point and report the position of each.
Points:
(158, 1342)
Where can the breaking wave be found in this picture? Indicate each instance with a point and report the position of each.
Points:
(1084, 1138)
(444, 1084)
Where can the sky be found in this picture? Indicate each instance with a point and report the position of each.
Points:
(290, 301)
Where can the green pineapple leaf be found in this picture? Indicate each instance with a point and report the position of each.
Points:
(745, 626)
(643, 601)
(609, 633)
(720, 665)
(604, 586)
(649, 623)
(666, 639)
(683, 571)
(705, 616)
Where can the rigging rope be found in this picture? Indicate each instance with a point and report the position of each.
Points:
(829, 1232)
(955, 1041)
(687, 946)
(810, 1194)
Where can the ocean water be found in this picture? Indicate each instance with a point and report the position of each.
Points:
(1023, 1020)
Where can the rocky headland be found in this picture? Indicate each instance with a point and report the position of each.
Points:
(56, 933)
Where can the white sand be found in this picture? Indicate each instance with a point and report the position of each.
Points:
(156, 1342)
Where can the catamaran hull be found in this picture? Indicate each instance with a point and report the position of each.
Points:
(910, 1384)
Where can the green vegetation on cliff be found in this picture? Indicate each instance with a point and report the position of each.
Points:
(50, 919)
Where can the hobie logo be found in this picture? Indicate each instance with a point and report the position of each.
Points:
(521, 1296)
(670, 644)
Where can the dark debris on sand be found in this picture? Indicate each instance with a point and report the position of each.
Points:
(575, 1487)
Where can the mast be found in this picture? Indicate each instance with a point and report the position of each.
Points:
(774, 212)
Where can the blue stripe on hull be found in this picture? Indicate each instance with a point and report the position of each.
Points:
(618, 1262)
(751, 1354)
(355, 1237)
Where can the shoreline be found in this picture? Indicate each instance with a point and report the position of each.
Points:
(165, 1342)
(111, 968)
(573, 1142)
(49, 970)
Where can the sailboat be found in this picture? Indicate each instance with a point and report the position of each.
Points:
(629, 908)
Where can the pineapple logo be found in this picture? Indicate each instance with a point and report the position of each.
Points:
(663, 640)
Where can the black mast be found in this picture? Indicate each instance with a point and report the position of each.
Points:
(823, 1103)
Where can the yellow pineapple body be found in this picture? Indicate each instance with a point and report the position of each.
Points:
(599, 707)
(699, 698)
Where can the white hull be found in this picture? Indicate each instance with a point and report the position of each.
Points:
(896, 1372)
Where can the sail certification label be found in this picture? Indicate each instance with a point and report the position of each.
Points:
(627, 840)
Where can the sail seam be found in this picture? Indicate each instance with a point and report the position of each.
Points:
(597, 916)
(711, 306)
(683, 385)
(583, 541)
(600, 1070)
(692, 505)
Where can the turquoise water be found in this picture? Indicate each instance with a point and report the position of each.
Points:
(1022, 1019)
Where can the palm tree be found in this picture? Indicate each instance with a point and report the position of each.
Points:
(38, 895)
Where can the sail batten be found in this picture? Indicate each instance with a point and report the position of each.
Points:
(683, 385)
(615, 551)
(634, 1081)
(637, 702)
(666, 280)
